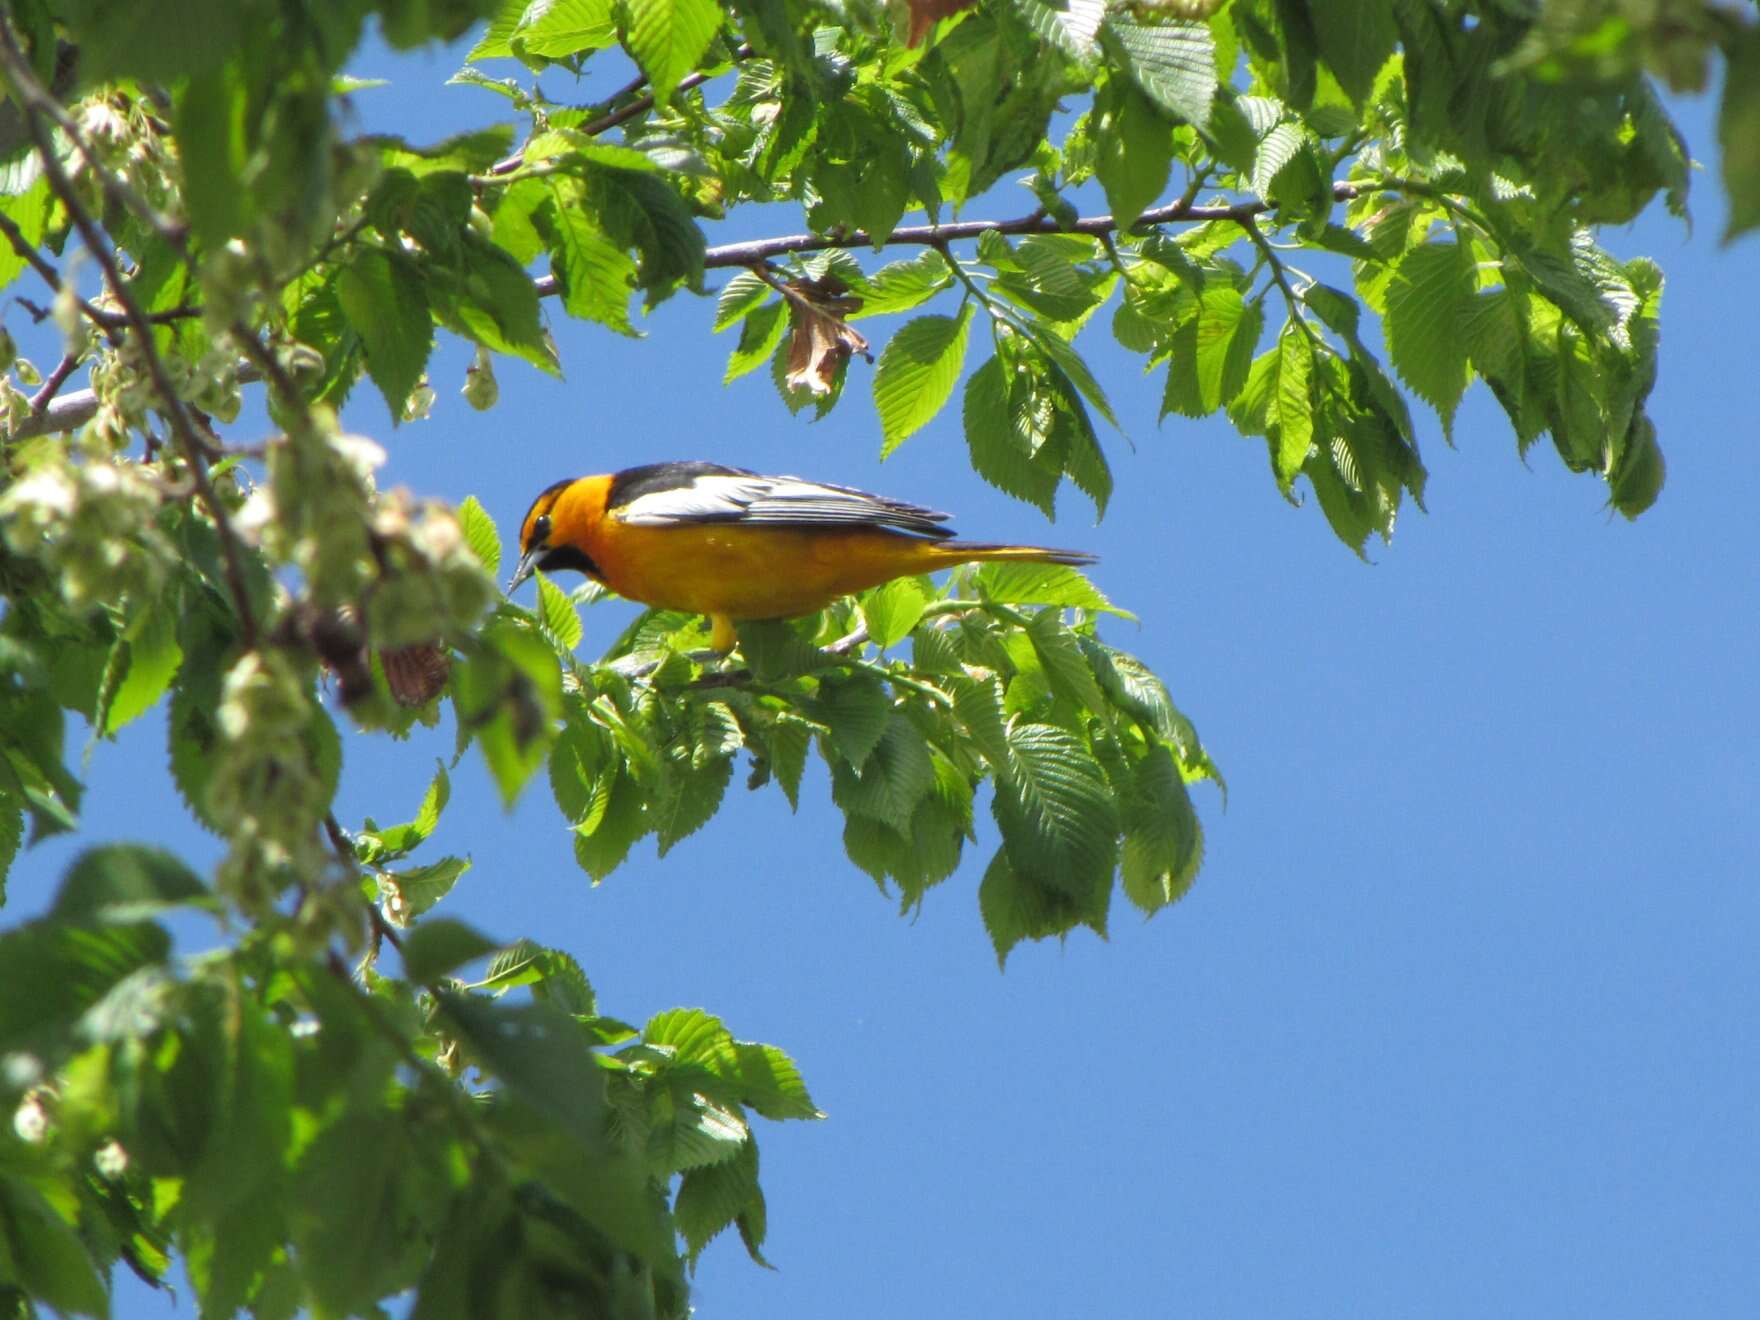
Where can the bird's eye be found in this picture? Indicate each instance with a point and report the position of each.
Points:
(541, 530)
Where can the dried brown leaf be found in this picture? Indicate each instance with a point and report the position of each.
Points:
(821, 341)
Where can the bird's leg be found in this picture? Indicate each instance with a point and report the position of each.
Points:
(722, 637)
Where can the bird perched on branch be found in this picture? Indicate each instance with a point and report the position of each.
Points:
(735, 545)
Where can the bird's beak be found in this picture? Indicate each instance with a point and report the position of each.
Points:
(528, 564)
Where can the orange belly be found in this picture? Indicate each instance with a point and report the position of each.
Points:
(759, 572)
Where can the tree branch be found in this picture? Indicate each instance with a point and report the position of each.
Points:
(744, 254)
(39, 105)
(76, 409)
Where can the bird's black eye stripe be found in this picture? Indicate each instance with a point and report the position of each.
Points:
(541, 530)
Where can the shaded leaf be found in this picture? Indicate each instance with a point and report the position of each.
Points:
(1175, 63)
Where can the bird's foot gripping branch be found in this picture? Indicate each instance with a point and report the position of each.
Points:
(912, 693)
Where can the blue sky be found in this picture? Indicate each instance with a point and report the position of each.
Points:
(1459, 1018)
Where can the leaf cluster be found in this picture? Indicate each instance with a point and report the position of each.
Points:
(1301, 216)
(299, 1135)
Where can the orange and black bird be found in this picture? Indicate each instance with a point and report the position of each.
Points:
(733, 545)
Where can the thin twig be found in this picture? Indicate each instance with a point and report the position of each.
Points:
(41, 400)
(641, 104)
(622, 114)
(39, 105)
(1291, 300)
(110, 322)
(266, 364)
(25, 249)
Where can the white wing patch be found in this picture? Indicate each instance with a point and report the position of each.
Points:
(777, 501)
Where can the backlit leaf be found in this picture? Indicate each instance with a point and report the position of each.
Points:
(916, 374)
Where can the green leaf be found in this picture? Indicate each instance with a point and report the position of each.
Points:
(1017, 907)
(55, 972)
(211, 114)
(902, 285)
(977, 702)
(758, 337)
(480, 534)
(595, 273)
(563, 28)
(1055, 809)
(1175, 63)
(856, 711)
(712, 1197)
(361, 1185)
(553, 972)
(1064, 663)
(769, 1081)
(375, 845)
(1163, 843)
(1135, 155)
(1738, 132)
(536, 1050)
(1345, 242)
(1043, 584)
(409, 893)
(615, 826)
(739, 296)
(694, 1035)
(124, 883)
(1067, 361)
(52, 1264)
(668, 37)
(508, 695)
(686, 798)
(385, 303)
(917, 372)
(790, 737)
(1134, 689)
(1355, 38)
(558, 614)
(486, 296)
(513, 222)
(496, 37)
(1277, 149)
(1069, 25)
(891, 611)
(646, 213)
(11, 835)
(1431, 288)
(1211, 352)
(1290, 420)
(998, 430)
(471, 152)
(153, 656)
(439, 946)
(896, 776)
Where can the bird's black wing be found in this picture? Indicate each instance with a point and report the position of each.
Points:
(671, 494)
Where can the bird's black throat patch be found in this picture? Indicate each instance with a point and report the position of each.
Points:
(566, 556)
